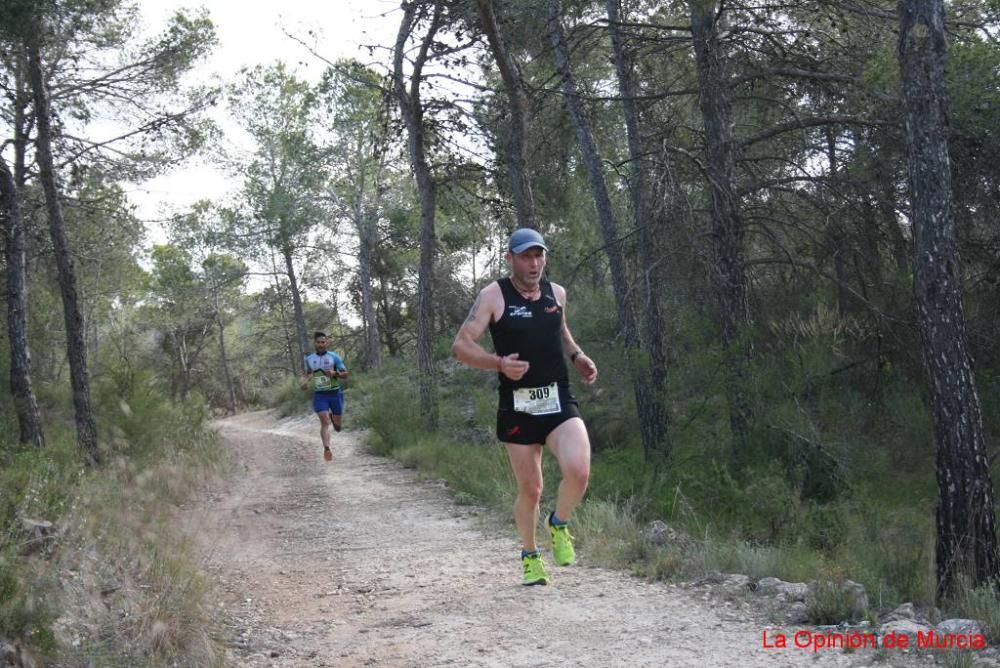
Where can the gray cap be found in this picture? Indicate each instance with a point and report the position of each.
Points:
(523, 239)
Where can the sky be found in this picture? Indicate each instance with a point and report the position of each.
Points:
(252, 32)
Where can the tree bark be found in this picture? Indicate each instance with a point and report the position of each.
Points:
(29, 420)
(86, 428)
(966, 523)
(227, 375)
(654, 419)
(592, 162)
(412, 110)
(367, 231)
(727, 228)
(299, 312)
(645, 391)
(517, 143)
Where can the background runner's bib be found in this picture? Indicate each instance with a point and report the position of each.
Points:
(320, 382)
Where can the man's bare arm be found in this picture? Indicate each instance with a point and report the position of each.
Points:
(466, 348)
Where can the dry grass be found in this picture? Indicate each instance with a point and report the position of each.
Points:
(121, 580)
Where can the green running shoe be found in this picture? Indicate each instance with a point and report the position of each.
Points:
(562, 543)
(534, 570)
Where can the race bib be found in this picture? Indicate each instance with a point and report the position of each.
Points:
(320, 382)
(537, 400)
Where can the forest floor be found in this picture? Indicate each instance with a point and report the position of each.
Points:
(360, 562)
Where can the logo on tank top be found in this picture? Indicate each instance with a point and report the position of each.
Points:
(520, 312)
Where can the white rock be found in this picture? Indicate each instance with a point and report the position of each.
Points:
(960, 626)
(904, 627)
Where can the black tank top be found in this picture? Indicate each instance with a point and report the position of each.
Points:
(534, 331)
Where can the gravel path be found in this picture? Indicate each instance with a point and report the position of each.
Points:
(359, 563)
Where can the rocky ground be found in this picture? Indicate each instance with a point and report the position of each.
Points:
(358, 562)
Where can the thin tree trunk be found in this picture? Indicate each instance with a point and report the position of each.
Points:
(389, 330)
(29, 420)
(230, 387)
(412, 110)
(592, 162)
(295, 362)
(838, 237)
(646, 397)
(727, 228)
(654, 419)
(517, 142)
(366, 251)
(299, 312)
(966, 523)
(86, 428)
(22, 101)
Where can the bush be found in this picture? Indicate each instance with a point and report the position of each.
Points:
(830, 603)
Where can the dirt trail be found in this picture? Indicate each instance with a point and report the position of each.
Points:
(359, 563)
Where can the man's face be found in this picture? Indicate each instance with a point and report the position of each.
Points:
(527, 267)
(320, 344)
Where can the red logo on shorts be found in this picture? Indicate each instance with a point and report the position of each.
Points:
(515, 430)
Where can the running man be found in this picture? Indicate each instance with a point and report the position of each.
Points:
(324, 370)
(526, 316)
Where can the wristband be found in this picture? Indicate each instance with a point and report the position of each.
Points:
(572, 358)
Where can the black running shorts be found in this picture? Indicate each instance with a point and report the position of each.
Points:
(527, 429)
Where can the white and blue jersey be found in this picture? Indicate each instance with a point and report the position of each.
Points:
(318, 365)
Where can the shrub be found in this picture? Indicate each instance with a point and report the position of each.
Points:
(830, 603)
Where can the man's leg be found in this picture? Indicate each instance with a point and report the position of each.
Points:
(337, 411)
(526, 462)
(571, 446)
(324, 428)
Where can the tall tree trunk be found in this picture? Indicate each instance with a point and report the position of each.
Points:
(727, 228)
(22, 100)
(412, 110)
(392, 345)
(86, 428)
(838, 236)
(592, 162)
(227, 375)
(966, 523)
(366, 251)
(653, 415)
(517, 142)
(29, 420)
(299, 312)
(642, 386)
(295, 362)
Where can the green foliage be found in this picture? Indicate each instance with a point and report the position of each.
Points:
(40, 486)
(136, 420)
(288, 397)
(23, 613)
(475, 471)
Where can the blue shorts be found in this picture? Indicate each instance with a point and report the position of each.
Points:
(329, 401)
